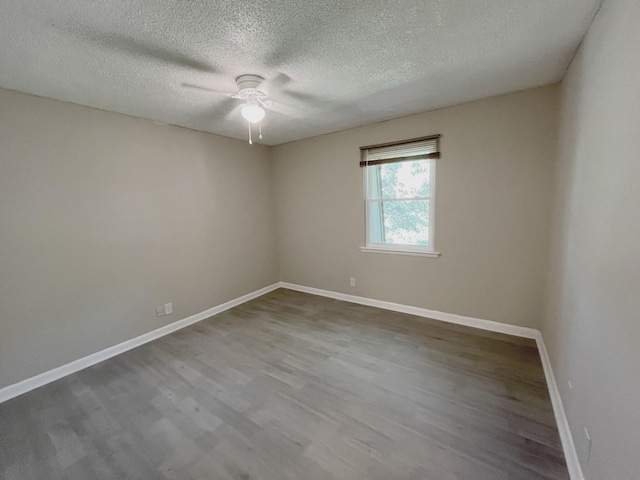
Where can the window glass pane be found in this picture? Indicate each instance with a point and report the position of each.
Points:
(376, 220)
(403, 222)
(407, 179)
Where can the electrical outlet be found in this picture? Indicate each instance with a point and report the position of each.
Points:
(570, 384)
(160, 310)
(352, 281)
(168, 308)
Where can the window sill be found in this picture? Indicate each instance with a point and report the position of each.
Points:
(400, 251)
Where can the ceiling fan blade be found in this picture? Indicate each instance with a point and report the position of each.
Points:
(283, 109)
(306, 98)
(274, 85)
(224, 109)
(205, 89)
(305, 29)
(139, 48)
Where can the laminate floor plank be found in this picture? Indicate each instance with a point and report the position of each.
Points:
(295, 386)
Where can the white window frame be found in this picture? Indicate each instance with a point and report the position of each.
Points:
(400, 249)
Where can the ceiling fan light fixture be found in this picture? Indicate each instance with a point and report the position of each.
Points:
(252, 113)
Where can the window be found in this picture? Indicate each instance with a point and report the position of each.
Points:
(399, 184)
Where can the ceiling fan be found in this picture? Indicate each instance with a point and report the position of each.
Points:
(253, 110)
(250, 86)
(250, 90)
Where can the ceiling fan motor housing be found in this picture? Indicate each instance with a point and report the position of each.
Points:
(248, 86)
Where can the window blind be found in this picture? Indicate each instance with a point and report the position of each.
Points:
(412, 149)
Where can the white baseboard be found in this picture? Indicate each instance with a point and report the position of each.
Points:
(29, 384)
(421, 312)
(568, 446)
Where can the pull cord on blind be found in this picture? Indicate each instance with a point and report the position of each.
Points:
(413, 149)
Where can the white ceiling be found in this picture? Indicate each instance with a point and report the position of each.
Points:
(329, 64)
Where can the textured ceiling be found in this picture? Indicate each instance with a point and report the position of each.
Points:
(329, 65)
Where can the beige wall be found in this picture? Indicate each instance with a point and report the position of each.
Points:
(492, 210)
(592, 327)
(103, 217)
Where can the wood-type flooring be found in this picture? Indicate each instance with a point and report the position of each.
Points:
(295, 386)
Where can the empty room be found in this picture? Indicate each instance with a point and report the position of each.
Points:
(386, 240)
